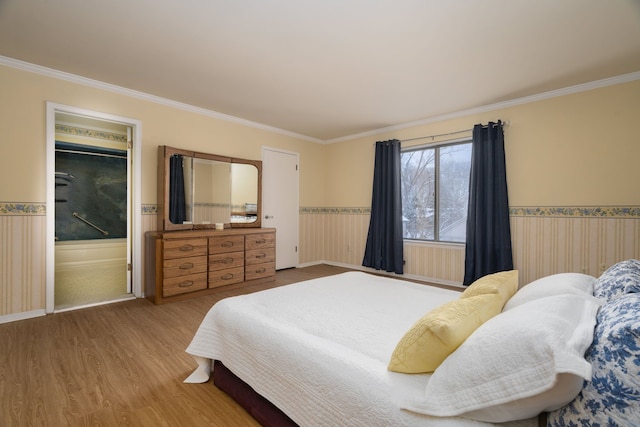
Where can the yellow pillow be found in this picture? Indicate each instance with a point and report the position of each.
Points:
(438, 333)
(504, 283)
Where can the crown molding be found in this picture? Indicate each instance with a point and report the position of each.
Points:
(73, 78)
(625, 78)
(61, 75)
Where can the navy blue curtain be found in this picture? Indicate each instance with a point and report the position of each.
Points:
(177, 205)
(488, 245)
(383, 250)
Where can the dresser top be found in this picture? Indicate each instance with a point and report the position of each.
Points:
(208, 232)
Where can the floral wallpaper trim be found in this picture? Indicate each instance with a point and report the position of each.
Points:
(13, 208)
(338, 211)
(578, 212)
(520, 211)
(39, 209)
(28, 208)
(149, 209)
(91, 133)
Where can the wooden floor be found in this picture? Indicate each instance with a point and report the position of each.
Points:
(116, 364)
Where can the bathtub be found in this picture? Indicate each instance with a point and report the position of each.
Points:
(90, 271)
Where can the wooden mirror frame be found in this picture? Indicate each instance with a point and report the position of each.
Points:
(164, 156)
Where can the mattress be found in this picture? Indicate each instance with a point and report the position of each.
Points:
(319, 349)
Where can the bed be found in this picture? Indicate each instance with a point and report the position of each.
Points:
(364, 350)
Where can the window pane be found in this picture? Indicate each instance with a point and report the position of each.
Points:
(455, 164)
(418, 194)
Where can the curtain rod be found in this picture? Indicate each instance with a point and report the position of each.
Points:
(504, 123)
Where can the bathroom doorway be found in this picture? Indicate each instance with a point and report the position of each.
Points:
(91, 198)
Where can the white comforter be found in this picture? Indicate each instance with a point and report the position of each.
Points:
(319, 349)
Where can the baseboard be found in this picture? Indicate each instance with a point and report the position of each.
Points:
(22, 316)
(371, 270)
(310, 264)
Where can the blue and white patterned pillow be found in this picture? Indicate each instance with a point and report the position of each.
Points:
(621, 278)
(612, 397)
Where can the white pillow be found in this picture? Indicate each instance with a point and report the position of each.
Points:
(511, 367)
(556, 284)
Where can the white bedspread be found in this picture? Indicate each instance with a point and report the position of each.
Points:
(319, 349)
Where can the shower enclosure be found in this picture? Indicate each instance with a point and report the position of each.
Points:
(90, 192)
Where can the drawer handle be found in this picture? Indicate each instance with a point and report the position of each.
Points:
(227, 260)
(186, 284)
(261, 256)
(227, 276)
(186, 248)
(261, 241)
(227, 244)
(261, 270)
(186, 266)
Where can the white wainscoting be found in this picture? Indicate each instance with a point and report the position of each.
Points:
(546, 240)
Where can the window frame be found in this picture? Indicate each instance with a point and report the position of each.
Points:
(436, 222)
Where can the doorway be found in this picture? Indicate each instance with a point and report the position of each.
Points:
(92, 193)
(280, 188)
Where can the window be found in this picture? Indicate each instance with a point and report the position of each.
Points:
(435, 191)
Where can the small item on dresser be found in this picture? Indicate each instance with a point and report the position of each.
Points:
(219, 226)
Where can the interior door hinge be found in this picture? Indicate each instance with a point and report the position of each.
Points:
(296, 249)
(296, 167)
(129, 267)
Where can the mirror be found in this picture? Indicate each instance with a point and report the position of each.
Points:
(210, 191)
(244, 193)
(198, 190)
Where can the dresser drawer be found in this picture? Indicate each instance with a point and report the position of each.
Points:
(260, 256)
(260, 241)
(226, 277)
(184, 284)
(224, 261)
(225, 244)
(181, 248)
(259, 271)
(184, 266)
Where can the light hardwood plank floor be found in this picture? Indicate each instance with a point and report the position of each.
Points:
(117, 364)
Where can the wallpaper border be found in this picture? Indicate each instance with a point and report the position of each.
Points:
(577, 211)
(91, 133)
(26, 208)
(340, 211)
(516, 211)
(149, 209)
(38, 209)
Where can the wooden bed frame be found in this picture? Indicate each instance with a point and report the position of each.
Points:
(265, 412)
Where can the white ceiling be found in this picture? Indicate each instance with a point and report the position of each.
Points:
(328, 69)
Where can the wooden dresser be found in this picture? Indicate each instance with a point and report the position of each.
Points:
(186, 264)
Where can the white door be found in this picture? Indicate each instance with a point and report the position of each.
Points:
(280, 202)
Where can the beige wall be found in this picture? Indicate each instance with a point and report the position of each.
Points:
(23, 158)
(563, 154)
(575, 150)
(573, 188)
(22, 120)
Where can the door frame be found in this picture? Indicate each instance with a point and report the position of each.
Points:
(134, 203)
